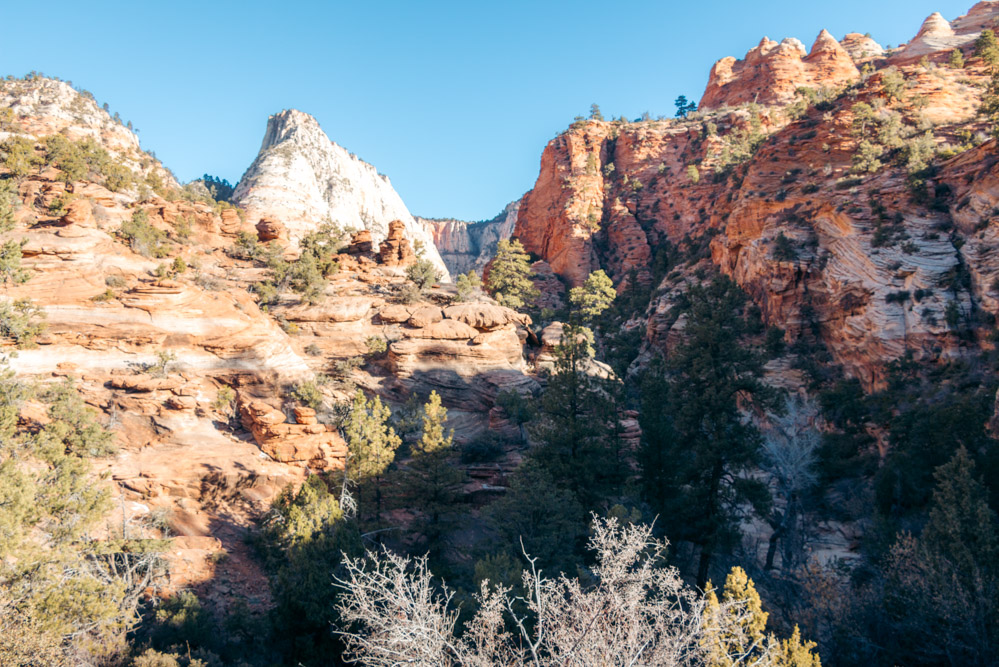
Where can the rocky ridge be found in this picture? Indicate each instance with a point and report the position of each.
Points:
(868, 263)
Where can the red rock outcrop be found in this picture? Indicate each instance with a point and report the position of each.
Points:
(396, 250)
(303, 441)
(271, 230)
(771, 72)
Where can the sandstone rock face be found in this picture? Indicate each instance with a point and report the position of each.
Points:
(938, 36)
(861, 47)
(873, 270)
(771, 72)
(305, 441)
(468, 246)
(43, 106)
(302, 178)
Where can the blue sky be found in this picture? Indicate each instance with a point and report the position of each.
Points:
(455, 101)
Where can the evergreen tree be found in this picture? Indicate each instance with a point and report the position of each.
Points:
(594, 297)
(939, 603)
(304, 542)
(510, 274)
(9, 203)
(990, 105)
(683, 107)
(697, 444)
(595, 112)
(956, 59)
(372, 444)
(987, 47)
(431, 482)
(548, 520)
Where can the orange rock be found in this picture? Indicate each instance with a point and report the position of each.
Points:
(770, 73)
(271, 230)
(396, 250)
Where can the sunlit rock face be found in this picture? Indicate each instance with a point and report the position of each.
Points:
(771, 72)
(468, 246)
(301, 179)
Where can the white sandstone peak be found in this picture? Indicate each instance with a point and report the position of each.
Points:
(301, 178)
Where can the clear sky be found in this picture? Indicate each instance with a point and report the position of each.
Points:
(453, 100)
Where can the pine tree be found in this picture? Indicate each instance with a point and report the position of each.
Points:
(509, 280)
(595, 112)
(431, 482)
(990, 105)
(987, 47)
(577, 428)
(697, 444)
(372, 444)
(956, 59)
(594, 297)
(962, 527)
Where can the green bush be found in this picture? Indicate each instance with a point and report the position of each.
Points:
(17, 155)
(784, 250)
(377, 346)
(11, 270)
(987, 47)
(309, 394)
(20, 322)
(142, 237)
(956, 59)
(9, 203)
(423, 273)
(466, 285)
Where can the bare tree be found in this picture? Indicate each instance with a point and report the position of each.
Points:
(789, 449)
(637, 613)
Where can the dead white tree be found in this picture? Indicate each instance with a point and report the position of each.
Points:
(639, 612)
(790, 446)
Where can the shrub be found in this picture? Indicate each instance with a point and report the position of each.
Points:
(784, 250)
(956, 59)
(20, 322)
(893, 84)
(309, 394)
(313, 350)
(423, 273)
(224, 400)
(484, 449)
(11, 270)
(142, 237)
(466, 285)
(161, 367)
(693, 174)
(116, 282)
(17, 155)
(377, 346)
(408, 293)
(9, 203)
